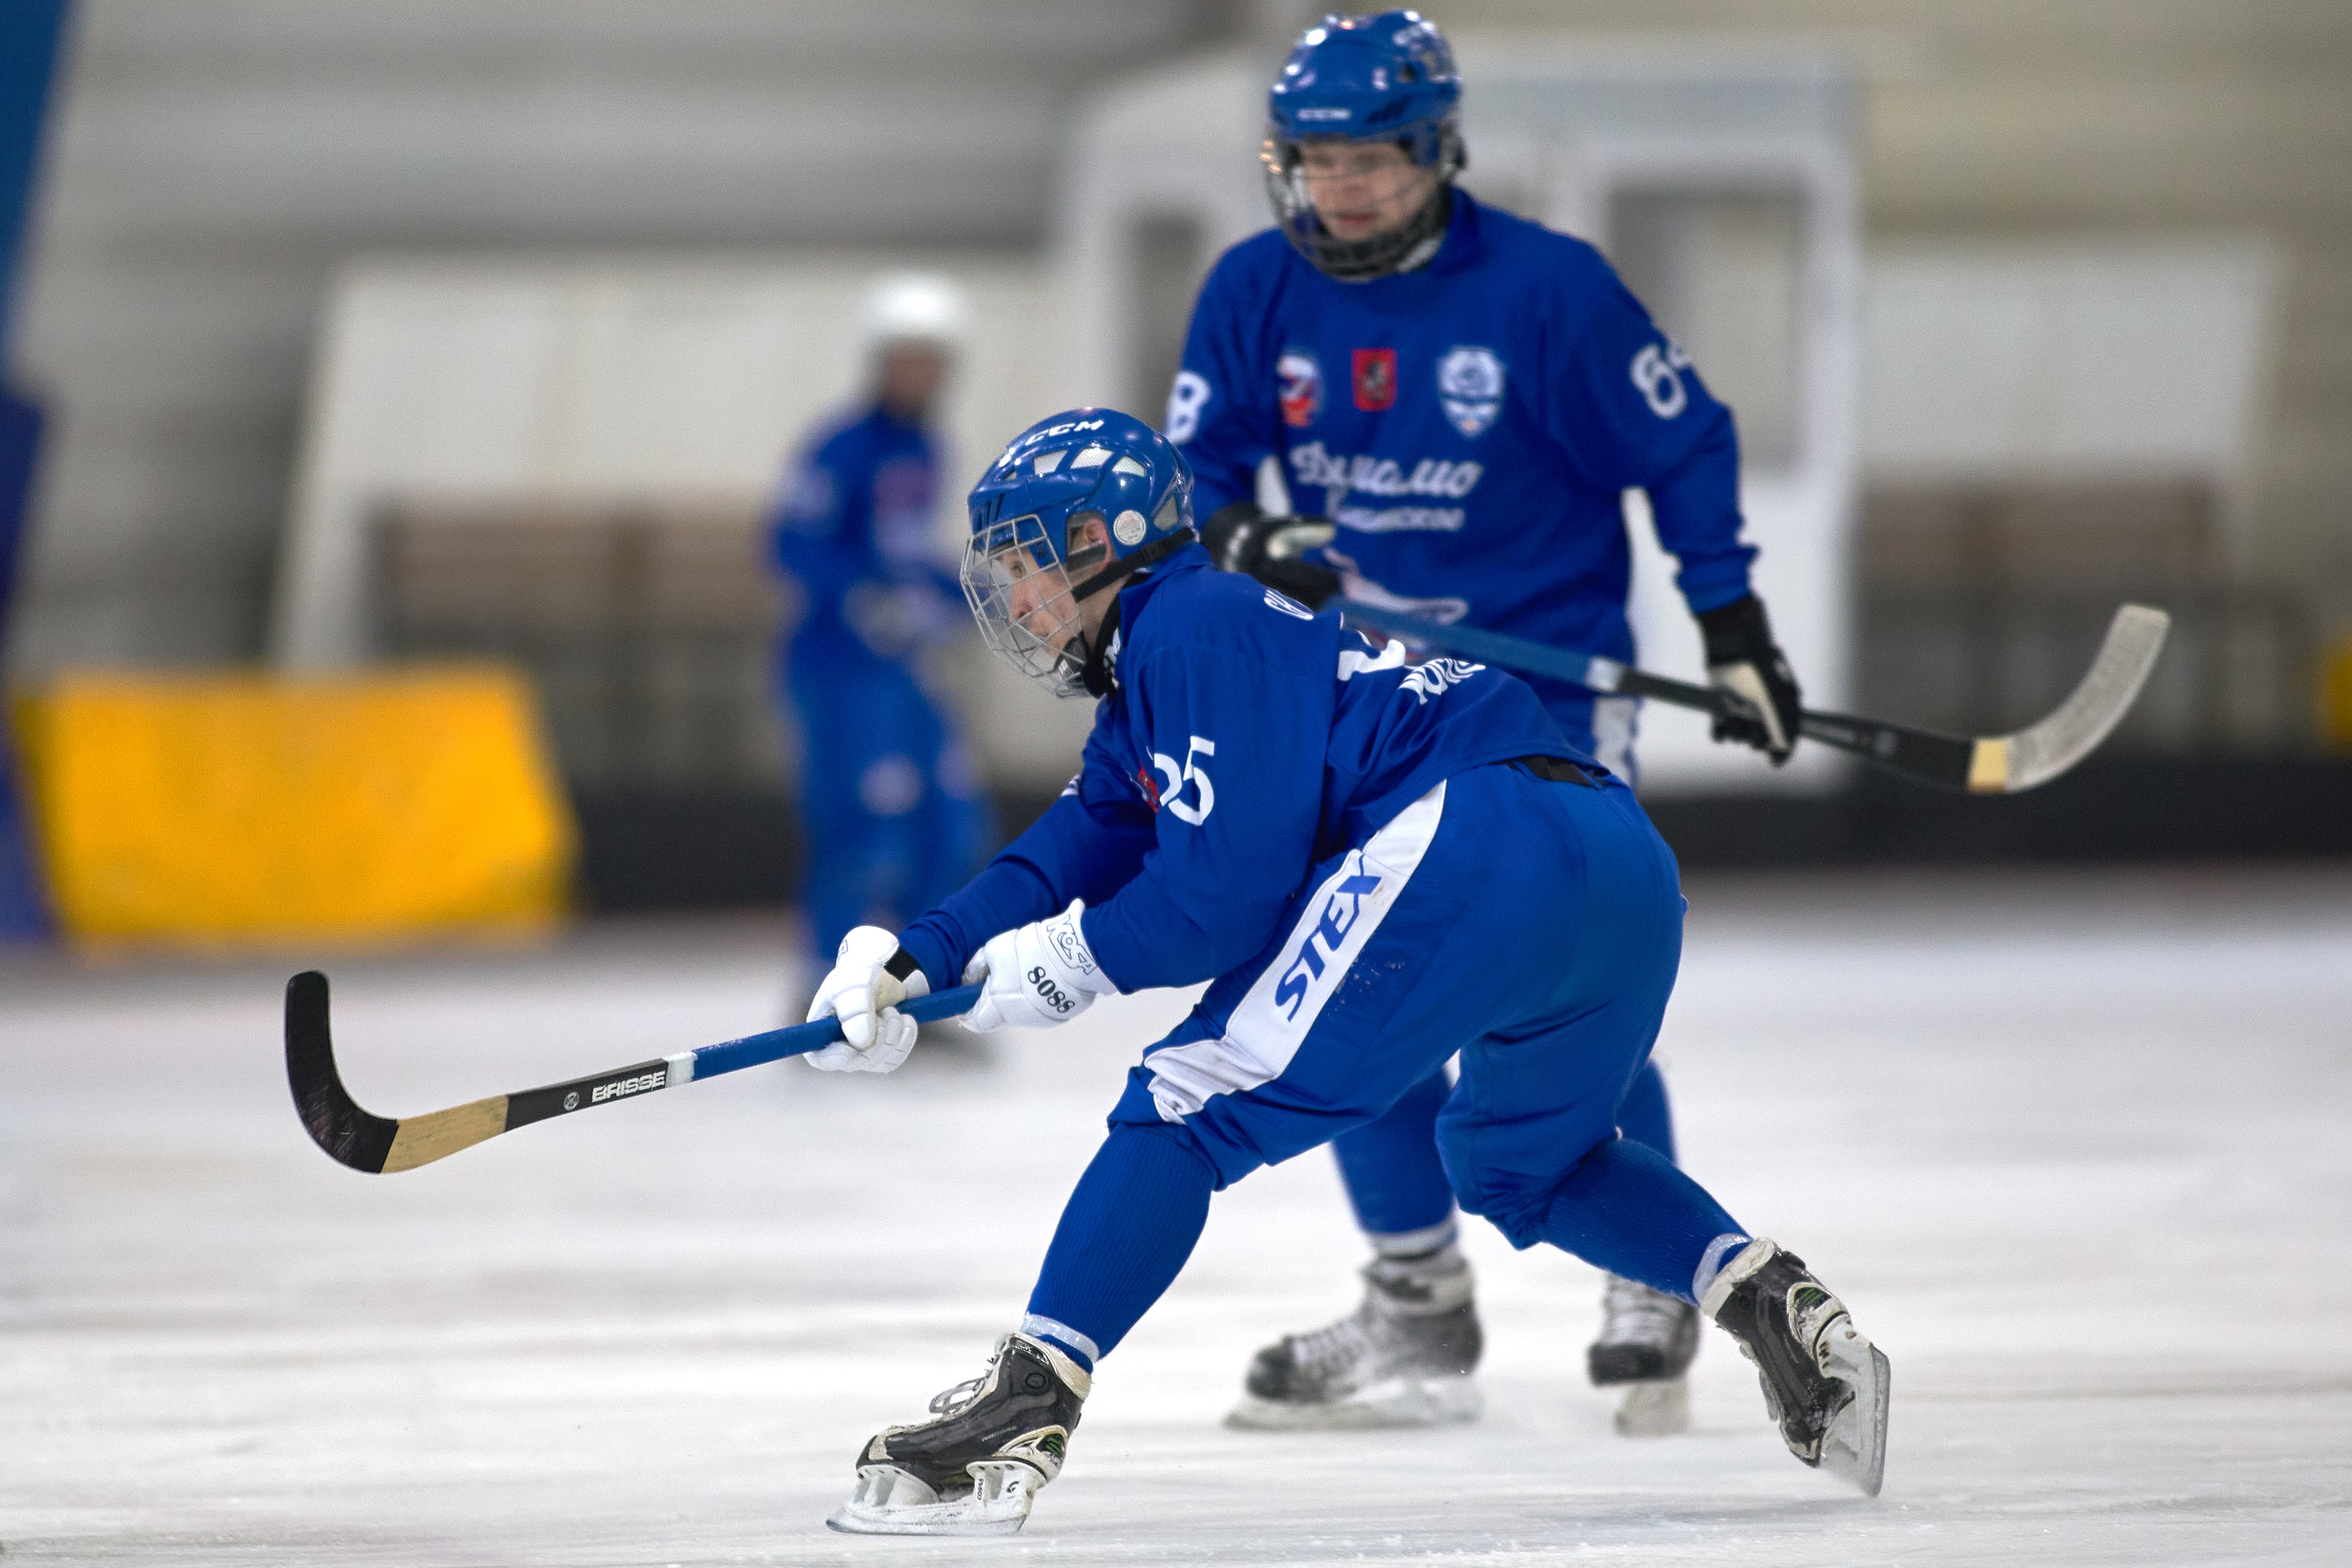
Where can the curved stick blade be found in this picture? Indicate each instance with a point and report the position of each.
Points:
(336, 1123)
(2041, 751)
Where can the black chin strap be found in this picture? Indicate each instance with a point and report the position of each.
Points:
(1094, 652)
(1094, 668)
(1149, 555)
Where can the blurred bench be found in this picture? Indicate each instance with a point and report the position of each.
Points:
(648, 630)
(1979, 603)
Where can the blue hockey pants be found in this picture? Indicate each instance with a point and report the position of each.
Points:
(1389, 1166)
(1532, 927)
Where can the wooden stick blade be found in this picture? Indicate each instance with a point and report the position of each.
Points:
(377, 1145)
(350, 1136)
(2040, 752)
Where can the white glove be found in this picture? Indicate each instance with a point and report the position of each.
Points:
(1036, 976)
(861, 992)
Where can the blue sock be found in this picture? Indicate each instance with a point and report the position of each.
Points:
(1125, 1234)
(1625, 1209)
(1646, 1117)
(1396, 1180)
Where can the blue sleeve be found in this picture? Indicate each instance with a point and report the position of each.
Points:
(812, 536)
(1221, 410)
(1240, 794)
(1088, 846)
(1625, 401)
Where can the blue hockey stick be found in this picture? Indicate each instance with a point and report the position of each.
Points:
(373, 1143)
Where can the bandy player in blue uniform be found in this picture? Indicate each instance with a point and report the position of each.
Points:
(1375, 866)
(890, 801)
(1464, 397)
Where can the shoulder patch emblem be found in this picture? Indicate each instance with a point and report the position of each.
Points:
(1470, 386)
(1299, 386)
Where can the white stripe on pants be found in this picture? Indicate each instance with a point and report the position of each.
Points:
(1273, 1018)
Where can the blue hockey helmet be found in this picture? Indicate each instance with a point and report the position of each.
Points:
(1076, 504)
(1388, 78)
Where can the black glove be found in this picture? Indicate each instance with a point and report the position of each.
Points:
(1743, 660)
(1241, 537)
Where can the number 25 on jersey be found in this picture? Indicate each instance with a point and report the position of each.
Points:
(1171, 795)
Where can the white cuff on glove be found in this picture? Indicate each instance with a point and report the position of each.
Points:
(1746, 681)
(865, 996)
(1036, 976)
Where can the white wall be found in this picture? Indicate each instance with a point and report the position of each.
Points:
(2068, 359)
(486, 380)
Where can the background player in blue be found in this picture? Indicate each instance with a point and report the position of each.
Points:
(1375, 865)
(1467, 394)
(889, 802)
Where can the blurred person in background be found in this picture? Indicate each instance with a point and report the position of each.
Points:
(890, 801)
(1471, 393)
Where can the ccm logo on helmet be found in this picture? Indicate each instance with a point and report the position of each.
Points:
(1047, 434)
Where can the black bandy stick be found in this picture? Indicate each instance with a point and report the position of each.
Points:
(374, 1143)
(1984, 764)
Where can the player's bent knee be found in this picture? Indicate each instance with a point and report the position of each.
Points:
(1137, 1114)
(1517, 1203)
(1518, 1214)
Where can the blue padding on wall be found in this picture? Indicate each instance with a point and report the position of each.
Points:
(21, 908)
(22, 912)
(32, 35)
(32, 32)
(20, 445)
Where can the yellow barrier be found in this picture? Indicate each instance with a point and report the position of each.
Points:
(251, 809)
(2336, 695)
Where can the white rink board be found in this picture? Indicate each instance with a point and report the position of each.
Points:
(2077, 1160)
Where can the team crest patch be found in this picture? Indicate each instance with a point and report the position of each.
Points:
(1375, 379)
(1298, 385)
(1470, 386)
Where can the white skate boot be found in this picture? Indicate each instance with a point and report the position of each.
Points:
(1823, 1383)
(1647, 1340)
(974, 1467)
(1402, 1358)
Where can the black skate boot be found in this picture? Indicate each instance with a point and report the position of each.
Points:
(1823, 1383)
(975, 1467)
(1402, 1358)
(1647, 1340)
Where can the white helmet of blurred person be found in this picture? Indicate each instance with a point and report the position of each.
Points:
(911, 325)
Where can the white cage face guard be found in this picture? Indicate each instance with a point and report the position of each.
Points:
(1290, 191)
(1020, 594)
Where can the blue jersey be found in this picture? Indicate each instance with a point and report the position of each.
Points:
(854, 528)
(1471, 426)
(1244, 740)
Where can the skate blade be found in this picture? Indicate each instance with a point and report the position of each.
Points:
(1855, 1448)
(889, 1502)
(1405, 1402)
(1660, 1409)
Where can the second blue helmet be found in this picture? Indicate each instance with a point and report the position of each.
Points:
(1389, 78)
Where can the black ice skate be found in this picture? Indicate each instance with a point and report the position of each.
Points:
(1823, 1383)
(975, 1467)
(1647, 1340)
(1402, 1358)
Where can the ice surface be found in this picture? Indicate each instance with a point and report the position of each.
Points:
(2074, 1148)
